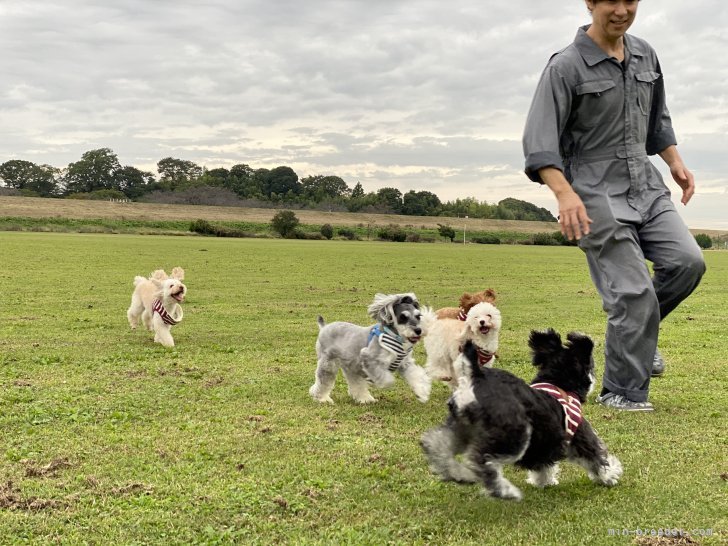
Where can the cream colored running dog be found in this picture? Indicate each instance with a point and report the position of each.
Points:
(156, 300)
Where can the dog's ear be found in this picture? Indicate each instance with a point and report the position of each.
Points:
(580, 345)
(467, 300)
(381, 308)
(544, 345)
(156, 282)
(178, 273)
(489, 295)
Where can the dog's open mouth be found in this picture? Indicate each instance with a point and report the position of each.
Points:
(413, 339)
(484, 329)
(179, 296)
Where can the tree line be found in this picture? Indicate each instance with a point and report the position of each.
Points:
(100, 175)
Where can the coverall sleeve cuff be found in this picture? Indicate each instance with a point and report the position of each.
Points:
(539, 160)
(659, 142)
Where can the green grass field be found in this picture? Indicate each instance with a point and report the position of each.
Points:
(108, 438)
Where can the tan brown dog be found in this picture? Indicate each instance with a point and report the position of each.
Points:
(467, 301)
(156, 301)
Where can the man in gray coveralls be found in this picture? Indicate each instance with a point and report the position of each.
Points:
(598, 112)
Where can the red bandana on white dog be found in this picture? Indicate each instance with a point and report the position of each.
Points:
(162, 312)
(484, 357)
(572, 407)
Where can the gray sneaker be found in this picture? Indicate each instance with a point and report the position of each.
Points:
(658, 365)
(619, 402)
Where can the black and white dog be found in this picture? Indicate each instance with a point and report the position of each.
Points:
(495, 418)
(369, 355)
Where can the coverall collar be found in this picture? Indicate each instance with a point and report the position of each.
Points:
(593, 54)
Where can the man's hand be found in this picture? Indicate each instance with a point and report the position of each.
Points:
(572, 213)
(684, 179)
(679, 172)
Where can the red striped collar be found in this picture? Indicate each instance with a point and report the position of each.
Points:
(462, 315)
(572, 406)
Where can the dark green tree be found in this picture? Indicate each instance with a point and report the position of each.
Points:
(175, 173)
(281, 181)
(391, 198)
(96, 170)
(420, 203)
(216, 177)
(23, 175)
(319, 188)
(358, 191)
(133, 182)
(242, 181)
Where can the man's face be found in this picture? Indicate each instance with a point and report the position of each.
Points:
(612, 18)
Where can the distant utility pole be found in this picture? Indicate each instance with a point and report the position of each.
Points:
(465, 224)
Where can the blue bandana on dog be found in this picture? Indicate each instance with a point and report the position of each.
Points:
(390, 341)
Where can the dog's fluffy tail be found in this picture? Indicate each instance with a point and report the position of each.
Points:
(470, 352)
(321, 321)
(138, 280)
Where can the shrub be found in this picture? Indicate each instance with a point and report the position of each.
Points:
(486, 239)
(413, 237)
(446, 231)
(544, 239)
(347, 233)
(703, 240)
(204, 227)
(561, 240)
(327, 231)
(305, 235)
(98, 195)
(392, 232)
(285, 223)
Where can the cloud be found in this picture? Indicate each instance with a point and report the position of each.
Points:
(419, 95)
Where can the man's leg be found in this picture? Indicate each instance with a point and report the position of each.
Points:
(677, 260)
(620, 274)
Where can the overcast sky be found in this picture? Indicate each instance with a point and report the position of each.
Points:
(416, 94)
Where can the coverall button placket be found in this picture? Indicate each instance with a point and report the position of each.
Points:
(631, 124)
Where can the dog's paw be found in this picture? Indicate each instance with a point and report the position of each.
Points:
(423, 393)
(543, 478)
(326, 399)
(506, 491)
(366, 399)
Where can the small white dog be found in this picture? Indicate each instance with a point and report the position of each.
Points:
(446, 337)
(156, 301)
(372, 354)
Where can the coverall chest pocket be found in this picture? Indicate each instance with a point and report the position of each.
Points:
(645, 84)
(596, 100)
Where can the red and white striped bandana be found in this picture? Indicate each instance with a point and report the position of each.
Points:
(162, 312)
(572, 407)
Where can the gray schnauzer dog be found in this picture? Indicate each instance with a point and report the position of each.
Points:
(370, 355)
